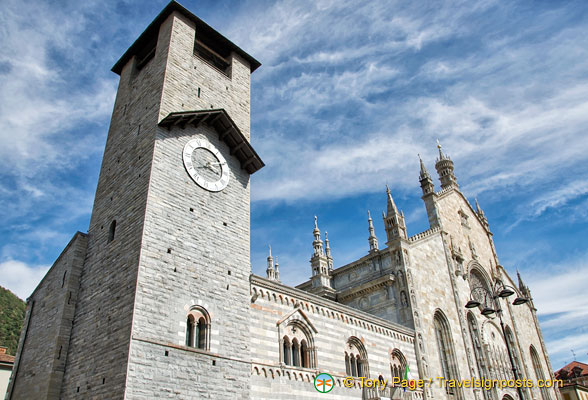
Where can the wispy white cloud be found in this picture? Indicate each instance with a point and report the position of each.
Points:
(20, 278)
(559, 294)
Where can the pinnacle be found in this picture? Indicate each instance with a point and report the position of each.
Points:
(391, 206)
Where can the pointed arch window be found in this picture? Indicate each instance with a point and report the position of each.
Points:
(198, 329)
(397, 363)
(297, 346)
(446, 352)
(539, 372)
(514, 350)
(478, 351)
(357, 355)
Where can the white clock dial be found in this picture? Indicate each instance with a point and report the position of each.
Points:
(206, 165)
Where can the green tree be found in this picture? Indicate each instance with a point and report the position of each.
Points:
(12, 314)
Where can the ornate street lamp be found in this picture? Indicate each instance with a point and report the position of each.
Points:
(499, 291)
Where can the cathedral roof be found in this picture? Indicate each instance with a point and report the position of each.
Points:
(153, 30)
(227, 131)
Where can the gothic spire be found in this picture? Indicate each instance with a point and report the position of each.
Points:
(425, 179)
(321, 264)
(373, 240)
(317, 244)
(277, 273)
(270, 265)
(328, 251)
(393, 220)
(391, 206)
(478, 209)
(481, 215)
(424, 173)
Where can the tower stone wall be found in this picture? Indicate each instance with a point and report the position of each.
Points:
(191, 83)
(97, 362)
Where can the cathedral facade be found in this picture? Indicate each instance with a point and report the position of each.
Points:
(157, 299)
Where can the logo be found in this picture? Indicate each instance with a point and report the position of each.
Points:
(324, 383)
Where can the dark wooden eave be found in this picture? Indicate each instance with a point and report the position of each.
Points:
(153, 30)
(227, 132)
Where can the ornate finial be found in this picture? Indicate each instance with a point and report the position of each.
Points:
(369, 216)
(441, 156)
(270, 249)
(387, 189)
(315, 222)
(326, 236)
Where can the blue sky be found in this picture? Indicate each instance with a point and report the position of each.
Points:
(348, 94)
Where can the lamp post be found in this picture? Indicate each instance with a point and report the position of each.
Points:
(499, 291)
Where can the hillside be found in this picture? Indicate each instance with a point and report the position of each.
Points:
(12, 313)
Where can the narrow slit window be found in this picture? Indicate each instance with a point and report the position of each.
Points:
(112, 231)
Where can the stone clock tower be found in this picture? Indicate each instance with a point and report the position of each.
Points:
(168, 242)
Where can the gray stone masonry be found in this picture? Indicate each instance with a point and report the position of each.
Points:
(185, 259)
(44, 342)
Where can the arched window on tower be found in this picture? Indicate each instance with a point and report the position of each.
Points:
(539, 372)
(190, 331)
(198, 329)
(446, 352)
(358, 362)
(201, 333)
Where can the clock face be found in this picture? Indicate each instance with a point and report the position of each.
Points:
(206, 165)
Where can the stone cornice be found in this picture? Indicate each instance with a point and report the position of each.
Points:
(334, 306)
(367, 287)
